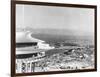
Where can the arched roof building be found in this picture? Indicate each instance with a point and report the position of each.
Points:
(29, 50)
(25, 43)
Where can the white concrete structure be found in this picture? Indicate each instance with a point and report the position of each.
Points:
(37, 51)
(42, 45)
(25, 36)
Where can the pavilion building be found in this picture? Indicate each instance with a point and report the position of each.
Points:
(29, 51)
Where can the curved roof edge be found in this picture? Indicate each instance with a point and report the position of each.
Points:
(25, 36)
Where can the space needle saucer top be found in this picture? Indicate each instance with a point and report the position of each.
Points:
(25, 43)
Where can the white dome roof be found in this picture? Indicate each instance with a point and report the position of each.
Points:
(26, 37)
(23, 37)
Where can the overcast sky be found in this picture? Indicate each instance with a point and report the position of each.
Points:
(74, 19)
